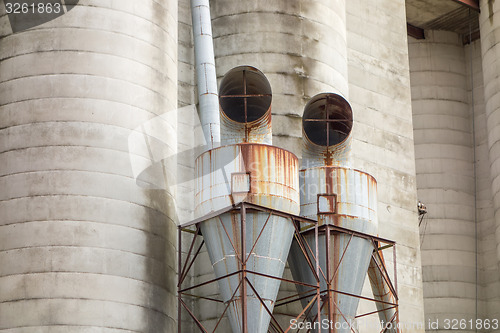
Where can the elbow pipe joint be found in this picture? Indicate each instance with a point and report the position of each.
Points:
(245, 106)
(326, 131)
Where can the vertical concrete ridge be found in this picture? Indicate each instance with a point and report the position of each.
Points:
(380, 96)
(489, 116)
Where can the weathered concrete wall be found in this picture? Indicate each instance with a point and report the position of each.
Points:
(299, 45)
(490, 50)
(82, 246)
(382, 136)
(488, 271)
(185, 140)
(445, 178)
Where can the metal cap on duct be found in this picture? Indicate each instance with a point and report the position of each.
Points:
(326, 128)
(245, 106)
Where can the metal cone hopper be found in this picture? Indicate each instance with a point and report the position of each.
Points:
(247, 247)
(335, 195)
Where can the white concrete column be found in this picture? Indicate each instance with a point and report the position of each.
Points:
(445, 180)
(490, 39)
(83, 247)
(490, 47)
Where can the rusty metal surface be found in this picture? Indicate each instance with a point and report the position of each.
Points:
(349, 194)
(273, 177)
(245, 106)
(310, 253)
(346, 198)
(248, 240)
(326, 131)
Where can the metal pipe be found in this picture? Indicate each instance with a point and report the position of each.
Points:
(205, 72)
(326, 124)
(245, 106)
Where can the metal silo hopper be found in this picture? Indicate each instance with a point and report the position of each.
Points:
(337, 196)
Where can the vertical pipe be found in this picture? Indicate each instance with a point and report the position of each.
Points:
(243, 269)
(205, 72)
(329, 295)
(179, 285)
(316, 250)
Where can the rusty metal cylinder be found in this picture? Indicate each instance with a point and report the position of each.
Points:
(326, 131)
(259, 174)
(245, 106)
(256, 173)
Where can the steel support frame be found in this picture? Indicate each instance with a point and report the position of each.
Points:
(320, 298)
(329, 295)
(184, 267)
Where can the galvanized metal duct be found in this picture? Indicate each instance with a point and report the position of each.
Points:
(326, 125)
(245, 106)
(205, 72)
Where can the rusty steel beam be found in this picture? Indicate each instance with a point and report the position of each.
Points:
(469, 38)
(378, 243)
(472, 4)
(179, 284)
(243, 269)
(414, 31)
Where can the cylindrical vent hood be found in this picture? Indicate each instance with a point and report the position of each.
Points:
(327, 124)
(245, 106)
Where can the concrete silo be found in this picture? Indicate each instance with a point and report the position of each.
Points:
(299, 45)
(445, 174)
(83, 246)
